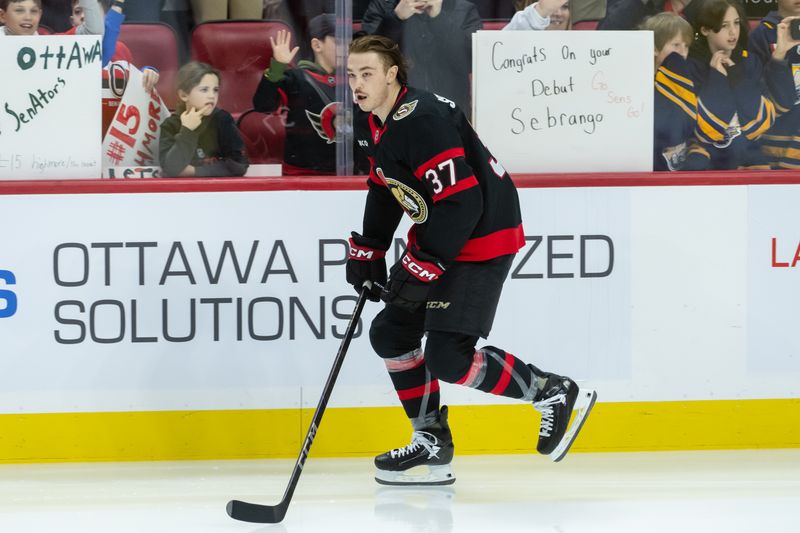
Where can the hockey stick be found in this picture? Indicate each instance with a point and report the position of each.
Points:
(272, 514)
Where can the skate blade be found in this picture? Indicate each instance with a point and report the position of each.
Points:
(436, 475)
(583, 406)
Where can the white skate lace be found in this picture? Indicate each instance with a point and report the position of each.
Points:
(546, 408)
(419, 439)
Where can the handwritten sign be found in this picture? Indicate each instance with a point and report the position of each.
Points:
(133, 135)
(565, 101)
(49, 107)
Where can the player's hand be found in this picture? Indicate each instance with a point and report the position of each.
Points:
(191, 118)
(366, 262)
(149, 79)
(547, 7)
(280, 47)
(187, 172)
(406, 9)
(720, 61)
(410, 279)
(433, 8)
(784, 41)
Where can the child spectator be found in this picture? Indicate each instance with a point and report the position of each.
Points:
(22, 17)
(199, 139)
(675, 108)
(781, 144)
(309, 93)
(736, 92)
(113, 49)
(541, 15)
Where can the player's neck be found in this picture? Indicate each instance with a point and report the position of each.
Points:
(383, 110)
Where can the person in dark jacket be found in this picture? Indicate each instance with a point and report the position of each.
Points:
(200, 139)
(436, 38)
(629, 14)
(781, 144)
(308, 93)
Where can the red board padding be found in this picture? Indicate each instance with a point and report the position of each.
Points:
(348, 183)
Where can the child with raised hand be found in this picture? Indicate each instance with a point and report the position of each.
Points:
(22, 17)
(200, 139)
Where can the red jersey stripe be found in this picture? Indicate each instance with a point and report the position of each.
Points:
(418, 392)
(468, 183)
(502, 242)
(452, 153)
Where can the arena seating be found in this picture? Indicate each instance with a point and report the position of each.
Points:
(241, 51)
(156, 45)
(263, 135)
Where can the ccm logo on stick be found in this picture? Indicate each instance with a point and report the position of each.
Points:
(8, 299)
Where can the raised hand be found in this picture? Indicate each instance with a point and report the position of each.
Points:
(280, 47)
(720, 60)
(406, 9)
(191, 118)
(784, 41)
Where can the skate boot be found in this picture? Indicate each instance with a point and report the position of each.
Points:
(556, 402)
(429, 455)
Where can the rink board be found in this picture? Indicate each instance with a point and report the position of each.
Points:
(124, 339)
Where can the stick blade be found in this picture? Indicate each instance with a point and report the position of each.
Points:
(253, 512)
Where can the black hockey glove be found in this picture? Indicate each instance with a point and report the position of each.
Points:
(366, 263)
(410, 279)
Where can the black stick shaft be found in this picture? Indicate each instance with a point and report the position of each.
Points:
(250, 512)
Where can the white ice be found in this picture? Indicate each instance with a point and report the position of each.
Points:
(675, 492)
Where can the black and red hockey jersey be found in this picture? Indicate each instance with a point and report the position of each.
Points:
(427, 160)
(309, 94)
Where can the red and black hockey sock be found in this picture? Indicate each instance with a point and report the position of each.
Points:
(498, 372)
(417, 389)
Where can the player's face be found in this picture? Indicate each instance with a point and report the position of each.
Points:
(676, 44)
(727, 36)
(204, 95)
(21, 18)
(369, 80)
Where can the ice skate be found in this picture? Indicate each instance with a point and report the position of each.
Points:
(556, 402)
(424, 461)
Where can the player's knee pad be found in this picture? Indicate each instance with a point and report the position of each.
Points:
(449, 355)
(390, 339)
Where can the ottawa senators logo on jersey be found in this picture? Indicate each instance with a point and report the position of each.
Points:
(404, 110)
(409, 199)
(325, 123)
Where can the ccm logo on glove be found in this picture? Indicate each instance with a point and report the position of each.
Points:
(363, 253)
(422, 270)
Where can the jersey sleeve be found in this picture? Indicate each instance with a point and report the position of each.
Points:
(274, 88)
(434, 152)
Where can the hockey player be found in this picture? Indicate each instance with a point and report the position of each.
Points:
(428, 162)
(309, 93)
(771, 39)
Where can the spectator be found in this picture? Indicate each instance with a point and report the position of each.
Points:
(205, 10)
(436, 38)
(781, 144)
(736, 93)
(22, 17)
(113, 49)
(199, 139)
(541, 15)
(675, 109)
(629, 14)
(309, 94)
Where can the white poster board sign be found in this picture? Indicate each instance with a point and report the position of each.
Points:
(50, 107)
(565, 101)
(132, 137)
